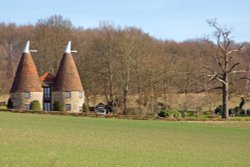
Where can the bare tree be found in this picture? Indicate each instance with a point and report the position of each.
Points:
(86, 63)
(128, 42)
(50, 35)
(224, 60)
(105, 50)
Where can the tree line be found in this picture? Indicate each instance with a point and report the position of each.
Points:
(117, 62)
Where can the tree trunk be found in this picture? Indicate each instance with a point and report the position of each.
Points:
(245, 108)
(125, 101)
(225, 96)
(110, 77)
(165, 93)
(111, 95)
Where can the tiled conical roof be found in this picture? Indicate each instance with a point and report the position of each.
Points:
(67, 77)
(26, 78)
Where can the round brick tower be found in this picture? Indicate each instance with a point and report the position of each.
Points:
(26, 86)
(67, 87)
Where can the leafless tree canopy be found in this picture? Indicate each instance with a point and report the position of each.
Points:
(117, 62)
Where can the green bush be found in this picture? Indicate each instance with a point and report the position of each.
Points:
(173, 113)
(162, 114)
(236, 111)
(85, 107)
(10, 103)
(219, 110)
(248, 112)
(35, 105)
(169, 113)
(58, 106)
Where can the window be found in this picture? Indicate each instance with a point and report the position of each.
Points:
(47, 92)
(81, 95)
(27, 95)
(68, 107)
(46, 106)
(68, 95)
(27, 106)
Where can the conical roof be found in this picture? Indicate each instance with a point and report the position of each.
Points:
(67, 77)
(26, 78)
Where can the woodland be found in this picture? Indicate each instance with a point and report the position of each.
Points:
(119, 63)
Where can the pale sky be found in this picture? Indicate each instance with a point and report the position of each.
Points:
(164, 19)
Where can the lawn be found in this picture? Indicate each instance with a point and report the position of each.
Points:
(49, 140)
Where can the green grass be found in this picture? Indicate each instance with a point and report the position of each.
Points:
(46, 140)
(2, 107)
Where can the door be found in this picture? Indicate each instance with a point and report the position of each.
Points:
(47, 106)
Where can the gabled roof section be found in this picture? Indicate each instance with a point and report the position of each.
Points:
(47, 77)
(26, 78)
(67, 77)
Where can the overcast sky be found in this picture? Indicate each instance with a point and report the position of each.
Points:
(164, 19)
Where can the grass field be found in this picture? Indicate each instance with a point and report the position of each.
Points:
(46, 140)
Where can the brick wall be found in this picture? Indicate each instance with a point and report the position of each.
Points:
(19, 99)
(75, 101)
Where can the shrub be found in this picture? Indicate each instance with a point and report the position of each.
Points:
(219, 110)
(162, 114)
(236, 111)
(173, 113)
(10, 103)
(35, 105)
(58, 106)
(169, 113)
(85, 107)
(248, 112)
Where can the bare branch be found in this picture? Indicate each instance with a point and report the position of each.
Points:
(236, 50)
(213, 77)
(233, 66)
(228, 43)
(240, 71)
(220, 80)
(218, 36)
(219, 62)
(242, 78)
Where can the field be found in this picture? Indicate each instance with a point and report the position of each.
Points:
(46, 140)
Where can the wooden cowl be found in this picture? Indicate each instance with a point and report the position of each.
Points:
(67, 77)
(26, 78)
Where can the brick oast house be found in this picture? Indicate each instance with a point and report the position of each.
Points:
(26, 86)
(66, 87)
